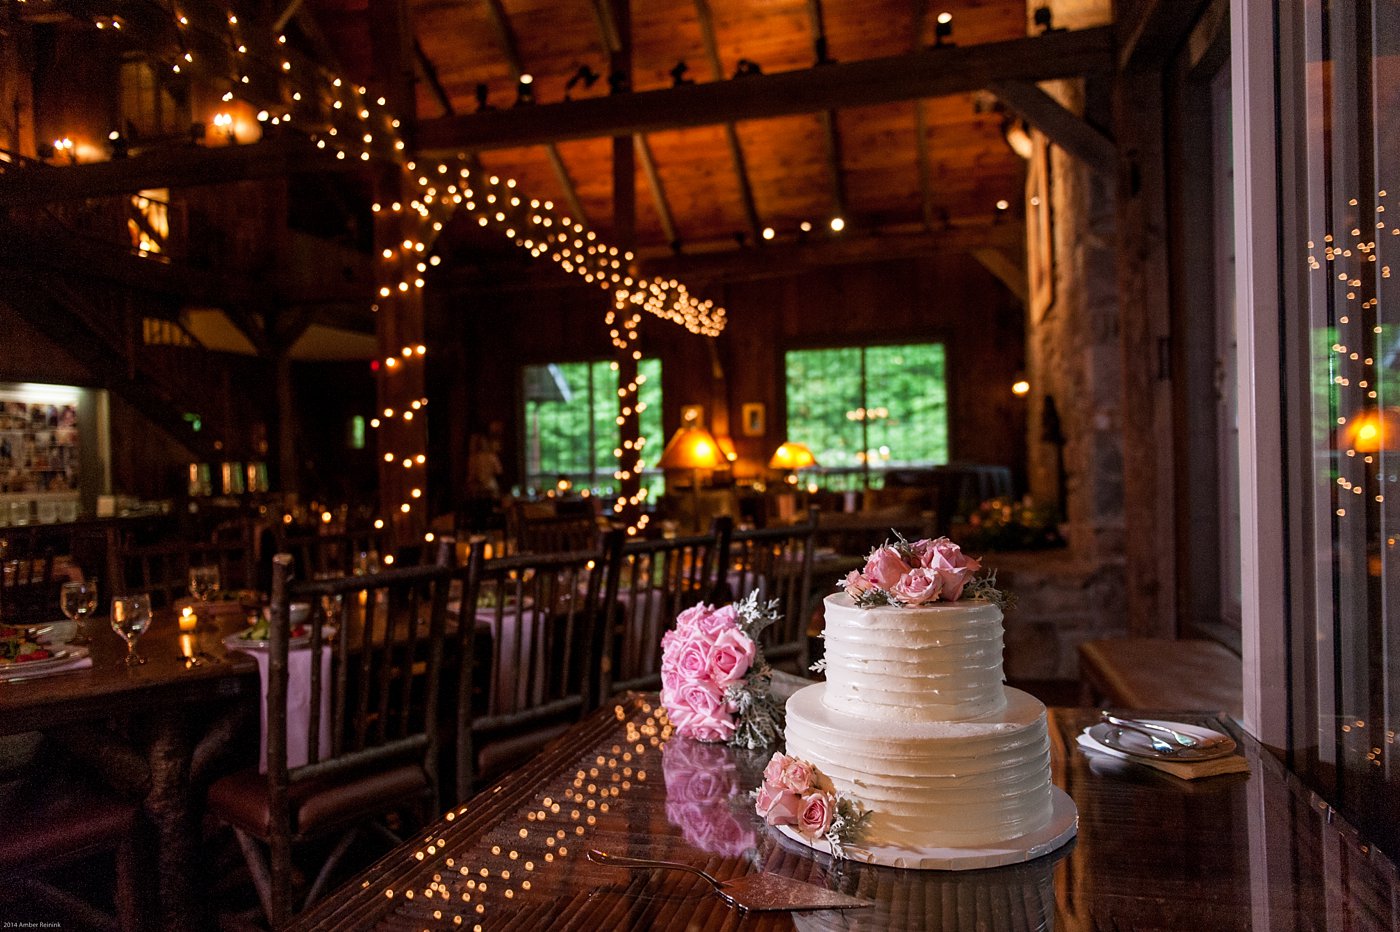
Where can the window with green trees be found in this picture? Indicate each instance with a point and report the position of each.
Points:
(864, 409)
(571, 425)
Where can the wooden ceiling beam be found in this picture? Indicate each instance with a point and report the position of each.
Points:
(777, 260)
(1065, 129)
(505, 34)
(658, 193)
(926, 73)
(176, 167)
(831, 132)
(1007, 270)
(430, 74)
(731, 132)
(1155, 33)
(921, 126)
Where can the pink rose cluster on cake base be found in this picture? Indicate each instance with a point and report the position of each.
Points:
(915, 723)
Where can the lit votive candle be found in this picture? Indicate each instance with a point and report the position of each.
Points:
(188, 620)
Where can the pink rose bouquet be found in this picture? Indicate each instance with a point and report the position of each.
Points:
(714, 680)
(797, 794)
(918, 573)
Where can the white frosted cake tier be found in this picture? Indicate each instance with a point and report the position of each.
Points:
(933, 663)
(955, 784)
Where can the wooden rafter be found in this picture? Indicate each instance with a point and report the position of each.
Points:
(783, 259)
(926, 73)
(731, 132)
(430, 74)
(831, 131)
(658, 193)
(921, 126)
(500, 24)
(1065, 129)
(1007, 270)
(175, 167)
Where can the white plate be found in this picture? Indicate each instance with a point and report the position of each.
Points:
(238, 642)
(1139, 745)
(61, 656)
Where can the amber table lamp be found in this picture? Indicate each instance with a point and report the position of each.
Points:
(693, 448)
(789, 458)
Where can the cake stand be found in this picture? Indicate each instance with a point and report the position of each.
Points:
(1063, 824)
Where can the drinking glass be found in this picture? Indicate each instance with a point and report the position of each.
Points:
(78, 600)
(204, 582)
(131, 616)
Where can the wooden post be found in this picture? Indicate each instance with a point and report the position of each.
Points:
(403, 430)
(624, 230)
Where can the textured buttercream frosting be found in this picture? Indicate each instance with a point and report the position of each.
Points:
(931, 663)
(967, 783)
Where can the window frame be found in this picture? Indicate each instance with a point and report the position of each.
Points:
(937, 336)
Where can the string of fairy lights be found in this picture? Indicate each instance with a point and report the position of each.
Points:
(1351, 262)
(284, 88)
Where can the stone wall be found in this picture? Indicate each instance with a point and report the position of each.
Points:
(1075, 455)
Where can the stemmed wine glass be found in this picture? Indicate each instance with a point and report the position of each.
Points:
(131, 616)
(78, 599)
(204, 582)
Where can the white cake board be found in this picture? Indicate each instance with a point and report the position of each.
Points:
(1063, 825)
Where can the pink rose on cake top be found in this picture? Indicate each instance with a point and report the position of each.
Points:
(918, 573)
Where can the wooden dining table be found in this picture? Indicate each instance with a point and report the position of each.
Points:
(1252, 851)
(150, 731)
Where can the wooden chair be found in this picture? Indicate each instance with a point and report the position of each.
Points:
(529, 636)
(163, 569)
(650, 583)
(384, 634)
(28, 589)
(777, 563)
(539, 527)
(320, 556)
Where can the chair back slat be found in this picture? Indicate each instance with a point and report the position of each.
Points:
(163, 569)
(528, 635)
(649, 584)
(776, 562)
(28, 590)
(381, 668)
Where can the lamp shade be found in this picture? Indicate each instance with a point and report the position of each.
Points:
(691, 448)
(792, 456)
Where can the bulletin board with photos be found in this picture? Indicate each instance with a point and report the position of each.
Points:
(38, 446)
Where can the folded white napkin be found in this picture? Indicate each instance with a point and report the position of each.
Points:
(1185, 770)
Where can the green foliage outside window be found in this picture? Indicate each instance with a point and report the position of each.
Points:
(862, 410)
(571, 429)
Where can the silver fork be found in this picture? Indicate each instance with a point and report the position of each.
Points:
(1182, 740)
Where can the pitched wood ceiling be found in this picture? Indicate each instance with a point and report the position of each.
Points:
(863, 163)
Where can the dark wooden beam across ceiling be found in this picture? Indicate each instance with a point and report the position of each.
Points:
(928, 73)
(176, 167)
(783, 259)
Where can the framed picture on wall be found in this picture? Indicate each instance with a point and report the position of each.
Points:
(753, 421)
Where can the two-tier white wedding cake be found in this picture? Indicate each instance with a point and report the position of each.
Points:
(914, 722)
